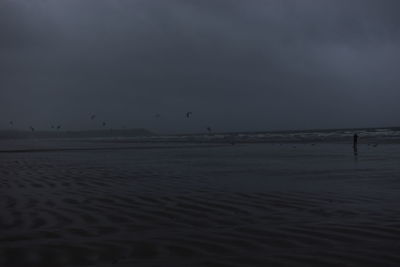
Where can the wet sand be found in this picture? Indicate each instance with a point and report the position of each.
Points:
(242, 205)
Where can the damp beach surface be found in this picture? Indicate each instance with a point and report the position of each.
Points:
(95, 204)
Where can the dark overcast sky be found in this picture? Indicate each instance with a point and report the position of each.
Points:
(238, 65)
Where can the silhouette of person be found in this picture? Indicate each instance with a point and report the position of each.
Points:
(355, 141)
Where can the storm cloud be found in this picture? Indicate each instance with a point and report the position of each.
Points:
(237, 65)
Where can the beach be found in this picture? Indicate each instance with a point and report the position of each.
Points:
(272, 204)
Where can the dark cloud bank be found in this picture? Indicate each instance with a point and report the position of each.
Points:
(238, 65)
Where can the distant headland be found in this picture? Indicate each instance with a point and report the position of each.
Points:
(20, 134)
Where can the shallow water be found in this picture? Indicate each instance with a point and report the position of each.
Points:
(199, 205)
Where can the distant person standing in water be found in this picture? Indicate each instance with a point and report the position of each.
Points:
(355, 141)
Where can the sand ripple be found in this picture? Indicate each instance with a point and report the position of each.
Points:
(63, 211)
